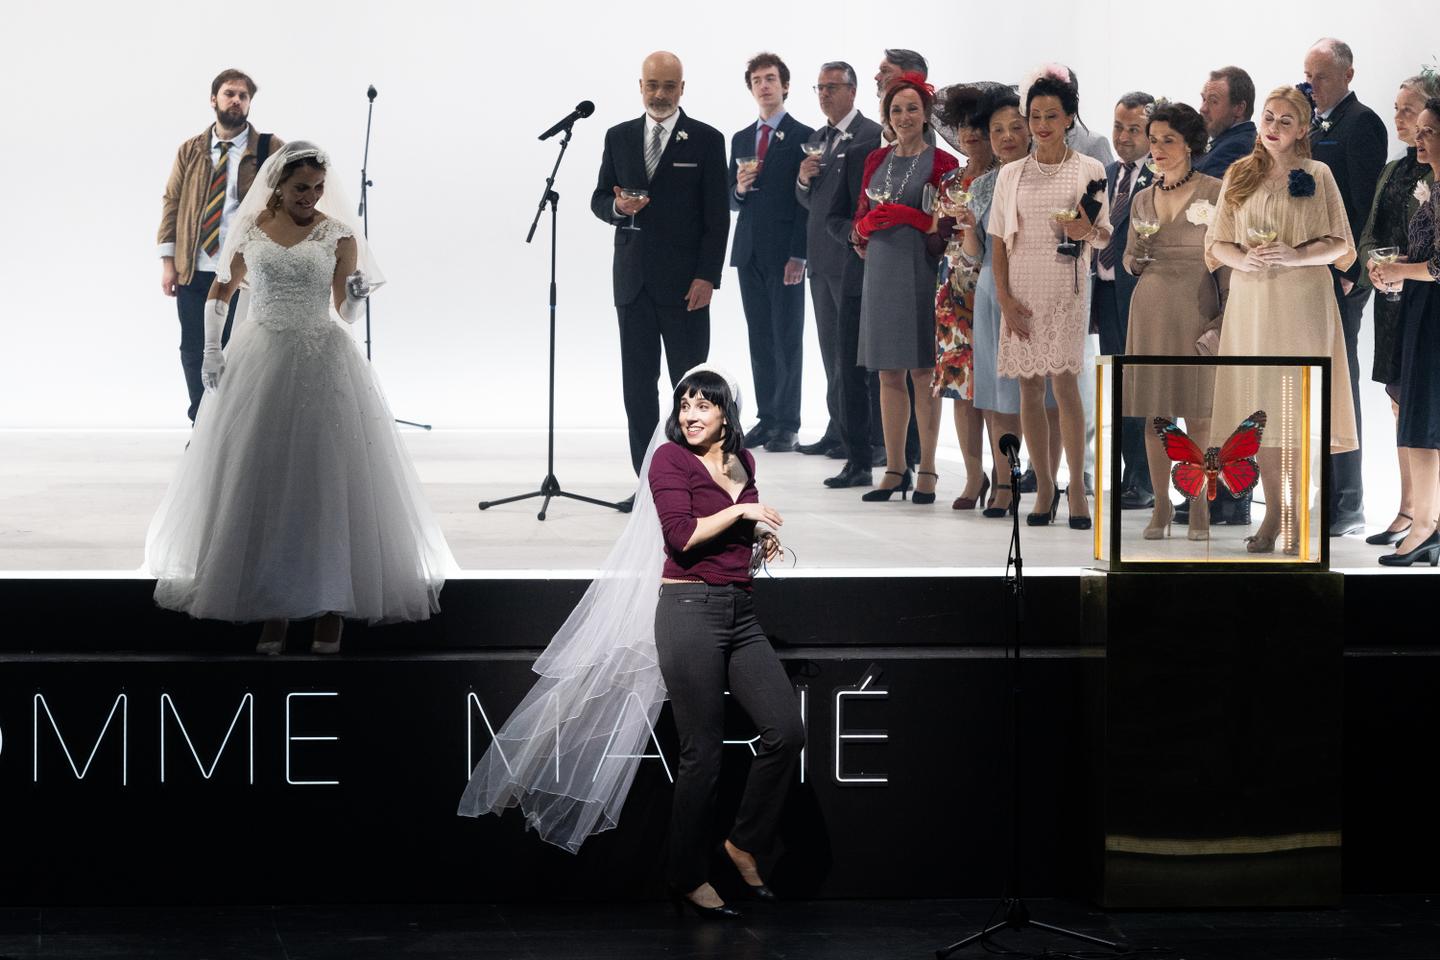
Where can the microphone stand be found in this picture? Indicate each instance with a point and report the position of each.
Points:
(550, 487)
(1016, 915)
(365, 184)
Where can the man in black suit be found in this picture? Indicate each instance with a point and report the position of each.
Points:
(769, 251)
(666, 270)
(820, 176)
(1351, 140)
(1227, 102)
(855, 408)
(1113, 286)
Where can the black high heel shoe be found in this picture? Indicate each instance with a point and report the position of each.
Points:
(882, 494)
(757, 890)
(1427, 551)
(920, 496)
(994, 512)
(1079, 523)
(723, 912)
(1386, 538)
(1044, 519)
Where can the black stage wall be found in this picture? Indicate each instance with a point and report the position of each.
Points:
(135, 768)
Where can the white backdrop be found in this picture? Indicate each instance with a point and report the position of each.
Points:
(97, 98)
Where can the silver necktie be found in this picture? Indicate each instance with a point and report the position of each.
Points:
(652, 152)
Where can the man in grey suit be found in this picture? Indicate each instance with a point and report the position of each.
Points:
(1110, 298)
(820, 176)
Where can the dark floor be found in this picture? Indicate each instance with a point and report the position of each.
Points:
(1393, 928)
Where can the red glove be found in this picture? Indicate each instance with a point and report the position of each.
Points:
(889, 215)
(868, 224)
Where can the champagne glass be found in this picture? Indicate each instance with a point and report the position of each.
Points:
(1062, 217)
(749, 163)
(953, 194)
(1146, 221)
(1387, 255)
(633, 193)
(877, 193)
(814, 148)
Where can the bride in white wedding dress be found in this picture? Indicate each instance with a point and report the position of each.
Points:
(296, 498)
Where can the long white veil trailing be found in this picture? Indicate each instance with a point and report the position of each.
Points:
(334, 203)
(569, 752)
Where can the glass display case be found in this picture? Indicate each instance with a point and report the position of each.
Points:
(1241, 440)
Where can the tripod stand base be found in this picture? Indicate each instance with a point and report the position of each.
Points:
(550, 489)
(1017, 917)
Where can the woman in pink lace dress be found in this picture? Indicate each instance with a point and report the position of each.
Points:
(1044, 291)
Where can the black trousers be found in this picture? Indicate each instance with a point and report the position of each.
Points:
(859, 422)
(826, 294)
(775, 318)
(708, 640)
(1105, 309)
(644, 326)
(190, 304)
(1347, 490)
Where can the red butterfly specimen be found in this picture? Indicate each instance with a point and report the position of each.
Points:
(1234, 463)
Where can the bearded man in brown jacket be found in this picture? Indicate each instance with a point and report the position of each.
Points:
(212, 173)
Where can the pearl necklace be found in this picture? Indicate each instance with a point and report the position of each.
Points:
(1054, 168)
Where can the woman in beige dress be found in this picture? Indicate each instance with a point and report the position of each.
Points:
(1281, 299)
(1176, 307)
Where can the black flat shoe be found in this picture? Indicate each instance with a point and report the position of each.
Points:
(920, 496)
(1427, 552)
(1044, 519)
(817, 449)
(1386, 538)
(757, 436)
(781, 441)
(1137, 499)
(757, 891)
(882, 494)
(722, 912)
(853, 475)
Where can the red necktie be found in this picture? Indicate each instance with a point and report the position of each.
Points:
(764, 142)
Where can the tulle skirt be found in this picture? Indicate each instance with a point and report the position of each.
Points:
(296, 497)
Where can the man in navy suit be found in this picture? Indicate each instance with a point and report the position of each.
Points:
(769, 251)
(1227, 102)
(1110, 299)
(820, 176)
(1352, 141)
(666, 271)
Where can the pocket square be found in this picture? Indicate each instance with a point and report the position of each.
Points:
(685, 164)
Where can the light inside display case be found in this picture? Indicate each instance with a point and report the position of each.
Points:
(1233, 445)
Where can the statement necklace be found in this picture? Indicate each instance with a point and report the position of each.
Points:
(895, 195)
(1167, 187)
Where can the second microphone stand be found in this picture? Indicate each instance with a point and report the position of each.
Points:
(1016, 915)
(550, 487)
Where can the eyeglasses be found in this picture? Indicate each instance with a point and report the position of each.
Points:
(831, 87)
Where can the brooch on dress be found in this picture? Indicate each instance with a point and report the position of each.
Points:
(1301, 184)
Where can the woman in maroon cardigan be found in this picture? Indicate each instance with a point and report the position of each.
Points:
(708, 640)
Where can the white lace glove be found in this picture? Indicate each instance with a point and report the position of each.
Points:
(213, 364)
(357, 289)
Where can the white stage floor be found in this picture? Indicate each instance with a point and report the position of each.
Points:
(74, 501)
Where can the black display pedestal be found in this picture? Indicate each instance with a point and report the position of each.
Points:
(1217, 738)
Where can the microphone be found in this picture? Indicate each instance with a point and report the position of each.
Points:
(1010, 446)
(371, 93)
(582, 109)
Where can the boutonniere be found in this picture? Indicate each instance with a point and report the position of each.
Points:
(681, 135)
(1301, 184)
(846, 135)
(1422, 192)
(1324, 126)
(1200, 213)
(779, 134)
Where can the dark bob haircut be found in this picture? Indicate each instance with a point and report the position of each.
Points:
(991, 103)
(1048, 86)
(1184, 120)
(712, 387)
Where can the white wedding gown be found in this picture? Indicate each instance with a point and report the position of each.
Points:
(296, 497)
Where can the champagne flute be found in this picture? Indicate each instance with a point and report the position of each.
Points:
(633, 193)
(1062, 217)
(1146, 221)
(1387, 255)
(749, 163)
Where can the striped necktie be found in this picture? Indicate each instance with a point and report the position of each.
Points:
(215, 204)
(653, 149)
(1119, 210)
